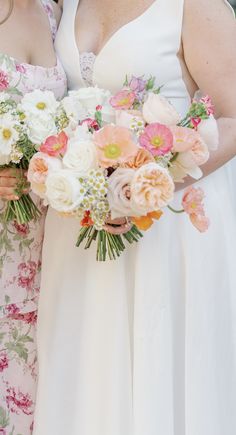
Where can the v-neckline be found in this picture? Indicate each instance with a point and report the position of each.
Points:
(112, 37)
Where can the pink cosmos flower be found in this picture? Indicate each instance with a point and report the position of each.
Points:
(157, 138)
(193, 205)
(18, 401)
(115, 145)
(55, 146)
(123, 100)
(4, 81)
(3, 362)
(27, 272)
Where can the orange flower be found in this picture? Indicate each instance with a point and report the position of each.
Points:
(87, 221)
(143, 223)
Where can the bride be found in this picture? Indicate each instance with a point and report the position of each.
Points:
(146, 345)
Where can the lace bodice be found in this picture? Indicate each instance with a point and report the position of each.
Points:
(87, 61)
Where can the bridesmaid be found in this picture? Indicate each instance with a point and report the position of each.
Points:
(27, 31)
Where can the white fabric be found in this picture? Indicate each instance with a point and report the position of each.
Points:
(145, 345)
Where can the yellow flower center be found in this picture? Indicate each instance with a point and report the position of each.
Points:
(7, 134)
(123, 102)
(179, 140)
(22, 116)
(193, 205)
(41, 105)
(112, 151)
(157, 141)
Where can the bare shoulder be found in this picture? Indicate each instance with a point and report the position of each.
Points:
(57, 11)
(208, 13)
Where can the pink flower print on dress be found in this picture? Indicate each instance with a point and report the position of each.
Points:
(27, 272)
(18, 401)
(22, 230)
(3, 362)
(4, 81)
(11, 310)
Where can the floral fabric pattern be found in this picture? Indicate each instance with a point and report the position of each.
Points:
(20, 265)
(18, 373)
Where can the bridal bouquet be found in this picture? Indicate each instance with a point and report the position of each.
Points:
(120, 155)
(23, 127)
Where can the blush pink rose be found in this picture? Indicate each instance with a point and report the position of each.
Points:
(3, 362)
(4, 81)
(26, 274)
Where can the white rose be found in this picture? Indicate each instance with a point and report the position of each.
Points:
(39, 102)
(79, 132)
(119, 196)
(74, 109)
(64, 191)
(158, 109)
(90, 98)
(208, 130)
(81, 156)
(40, 128)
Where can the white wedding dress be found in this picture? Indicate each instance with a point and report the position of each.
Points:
(145, 345)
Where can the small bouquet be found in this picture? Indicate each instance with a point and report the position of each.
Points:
(116, 156)
(23, 127)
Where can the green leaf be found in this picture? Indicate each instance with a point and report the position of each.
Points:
(25, 339)
(4, 418)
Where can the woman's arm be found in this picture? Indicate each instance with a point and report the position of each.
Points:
(209, 44)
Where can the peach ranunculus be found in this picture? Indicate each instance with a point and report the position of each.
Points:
(152, 188)
(143, 223)
(140, 159)
(158, 109)
(55, 145)
(193, 205)
(157, 138)
(39, 167)
(123, 100)
(115, 145)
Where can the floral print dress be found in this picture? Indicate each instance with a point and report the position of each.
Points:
(20, 262)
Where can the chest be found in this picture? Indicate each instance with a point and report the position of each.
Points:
(96, 21)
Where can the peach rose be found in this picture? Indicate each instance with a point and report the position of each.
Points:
(152, 188)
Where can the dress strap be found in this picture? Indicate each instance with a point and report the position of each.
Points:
(47, 4)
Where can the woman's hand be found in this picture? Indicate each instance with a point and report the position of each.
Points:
(9, 180)
(118, 226)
